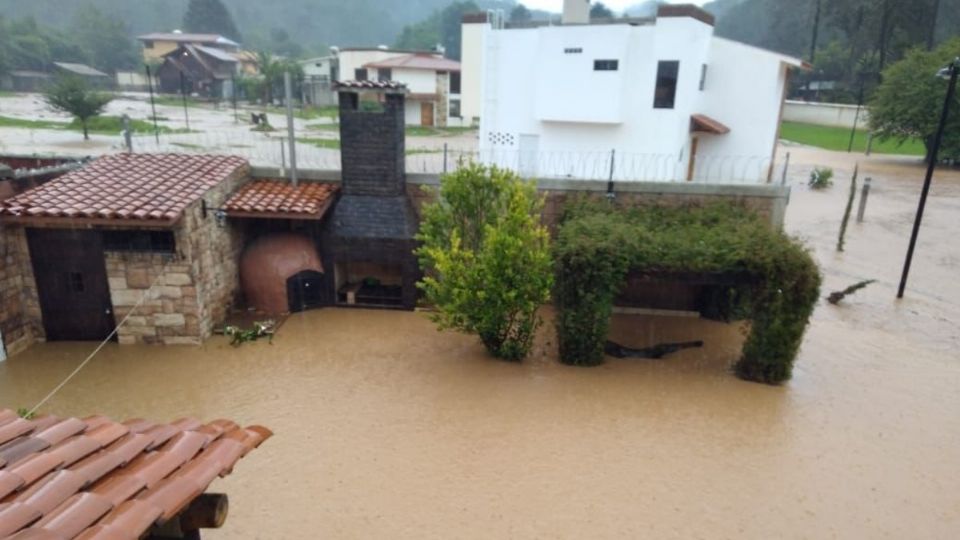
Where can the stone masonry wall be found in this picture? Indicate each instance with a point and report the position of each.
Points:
(20, 319)
(214, 253)
(443, 98)
(199, 282)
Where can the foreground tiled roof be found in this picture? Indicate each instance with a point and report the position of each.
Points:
(280, 198)
(140, 187)
(98, 479)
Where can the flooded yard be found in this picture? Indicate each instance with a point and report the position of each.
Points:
(386, 428)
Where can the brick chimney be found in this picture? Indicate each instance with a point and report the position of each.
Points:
(372, 147)
(576, 12)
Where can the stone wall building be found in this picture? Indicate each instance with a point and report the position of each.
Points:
(82, 251)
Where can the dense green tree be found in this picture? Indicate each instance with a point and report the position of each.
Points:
(520, 13)
(272, 69)
(908, 102)
(210, 16)
(600, 11)
(73, 96)
(486, 258)
(443, 27)
(105, 39)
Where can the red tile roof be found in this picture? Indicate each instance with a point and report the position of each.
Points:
(96, 478)
(417, 61)
(281, 199)
(705, 124)
(140, 187)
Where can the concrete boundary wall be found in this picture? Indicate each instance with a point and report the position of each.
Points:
(767, 199)
(825, 114)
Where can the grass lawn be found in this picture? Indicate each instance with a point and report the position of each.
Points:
(104, 125)
(320, 143)
(837, 138)
(324, 127)
(425, 131)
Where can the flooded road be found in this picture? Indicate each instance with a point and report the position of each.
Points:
(387, 429)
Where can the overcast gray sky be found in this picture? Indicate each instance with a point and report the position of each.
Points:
(617, 5)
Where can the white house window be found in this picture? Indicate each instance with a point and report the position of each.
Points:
(360, 74)
(703, 76)
(606, 65)
(455, 108)
(666, 91)
(454, 82)
(572, 50)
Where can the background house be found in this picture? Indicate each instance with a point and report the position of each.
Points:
(433, 81)
(319, 74)
(158, 44)
(207, 71)
(93, 77)
(660, 94)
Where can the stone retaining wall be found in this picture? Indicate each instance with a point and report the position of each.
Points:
(19, 307)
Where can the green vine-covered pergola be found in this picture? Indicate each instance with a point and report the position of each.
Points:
(775, 282)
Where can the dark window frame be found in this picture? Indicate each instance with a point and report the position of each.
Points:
(360, 74)
(573, 50)
(455, 82)
(384, 74)
(455, 105)
(703, 76)
(665, 91)
(606, 64)
(140, 241)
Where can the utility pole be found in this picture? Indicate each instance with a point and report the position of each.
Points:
(288, 97)
(951, 88)
(183, 94)
(816, 31)
(153, 104)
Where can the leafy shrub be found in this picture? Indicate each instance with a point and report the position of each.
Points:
(486, 258)
(821, 177)
(597, 245)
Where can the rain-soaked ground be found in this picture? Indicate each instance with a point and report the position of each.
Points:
(387, 429)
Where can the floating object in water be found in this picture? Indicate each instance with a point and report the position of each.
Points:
(657, 351)
(836, 296)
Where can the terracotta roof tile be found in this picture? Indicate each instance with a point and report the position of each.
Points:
(99, 479)
(279, 198)
(152, 187)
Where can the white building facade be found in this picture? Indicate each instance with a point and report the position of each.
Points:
(432, 80)
(630, 99)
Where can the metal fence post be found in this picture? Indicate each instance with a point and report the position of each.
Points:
(444, 158)
(288, 97)
(869, 142)
(283, 158)
(613, 157)
(127, 136)
(786, 165)
(864, 193)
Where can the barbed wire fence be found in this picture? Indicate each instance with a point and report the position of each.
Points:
(428, 155)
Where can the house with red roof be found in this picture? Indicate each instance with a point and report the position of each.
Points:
(432, 80)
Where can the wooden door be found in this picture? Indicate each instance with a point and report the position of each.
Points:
(71, 278)
(426, 114)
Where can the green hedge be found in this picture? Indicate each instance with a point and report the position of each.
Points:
(598, 244)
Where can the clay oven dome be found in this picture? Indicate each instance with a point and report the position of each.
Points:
(282, 272)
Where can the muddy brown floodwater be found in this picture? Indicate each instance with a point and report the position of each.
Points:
(387, 429)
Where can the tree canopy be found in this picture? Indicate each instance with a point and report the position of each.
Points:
(442, 27)
(73, 96)
(210, 17)
(520, 13)
(600, 11)
(909, 101)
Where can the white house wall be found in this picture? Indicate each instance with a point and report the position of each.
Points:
(580, 116)
(473, 39)
(418, 81)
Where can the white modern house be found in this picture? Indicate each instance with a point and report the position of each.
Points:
(432, 80)
(319, 73)
(629, 99)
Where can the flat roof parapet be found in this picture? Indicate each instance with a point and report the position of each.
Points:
(686, 10)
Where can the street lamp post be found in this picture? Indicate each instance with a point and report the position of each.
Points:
(950, 71)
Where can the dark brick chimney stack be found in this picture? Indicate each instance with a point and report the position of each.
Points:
(372, 141)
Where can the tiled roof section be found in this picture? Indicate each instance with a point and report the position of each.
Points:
(385, 218)
(139, 187)
(429, 62)
(704, 124)
(370, 85)
(80, 69)
(96, 478)
(279, 198)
